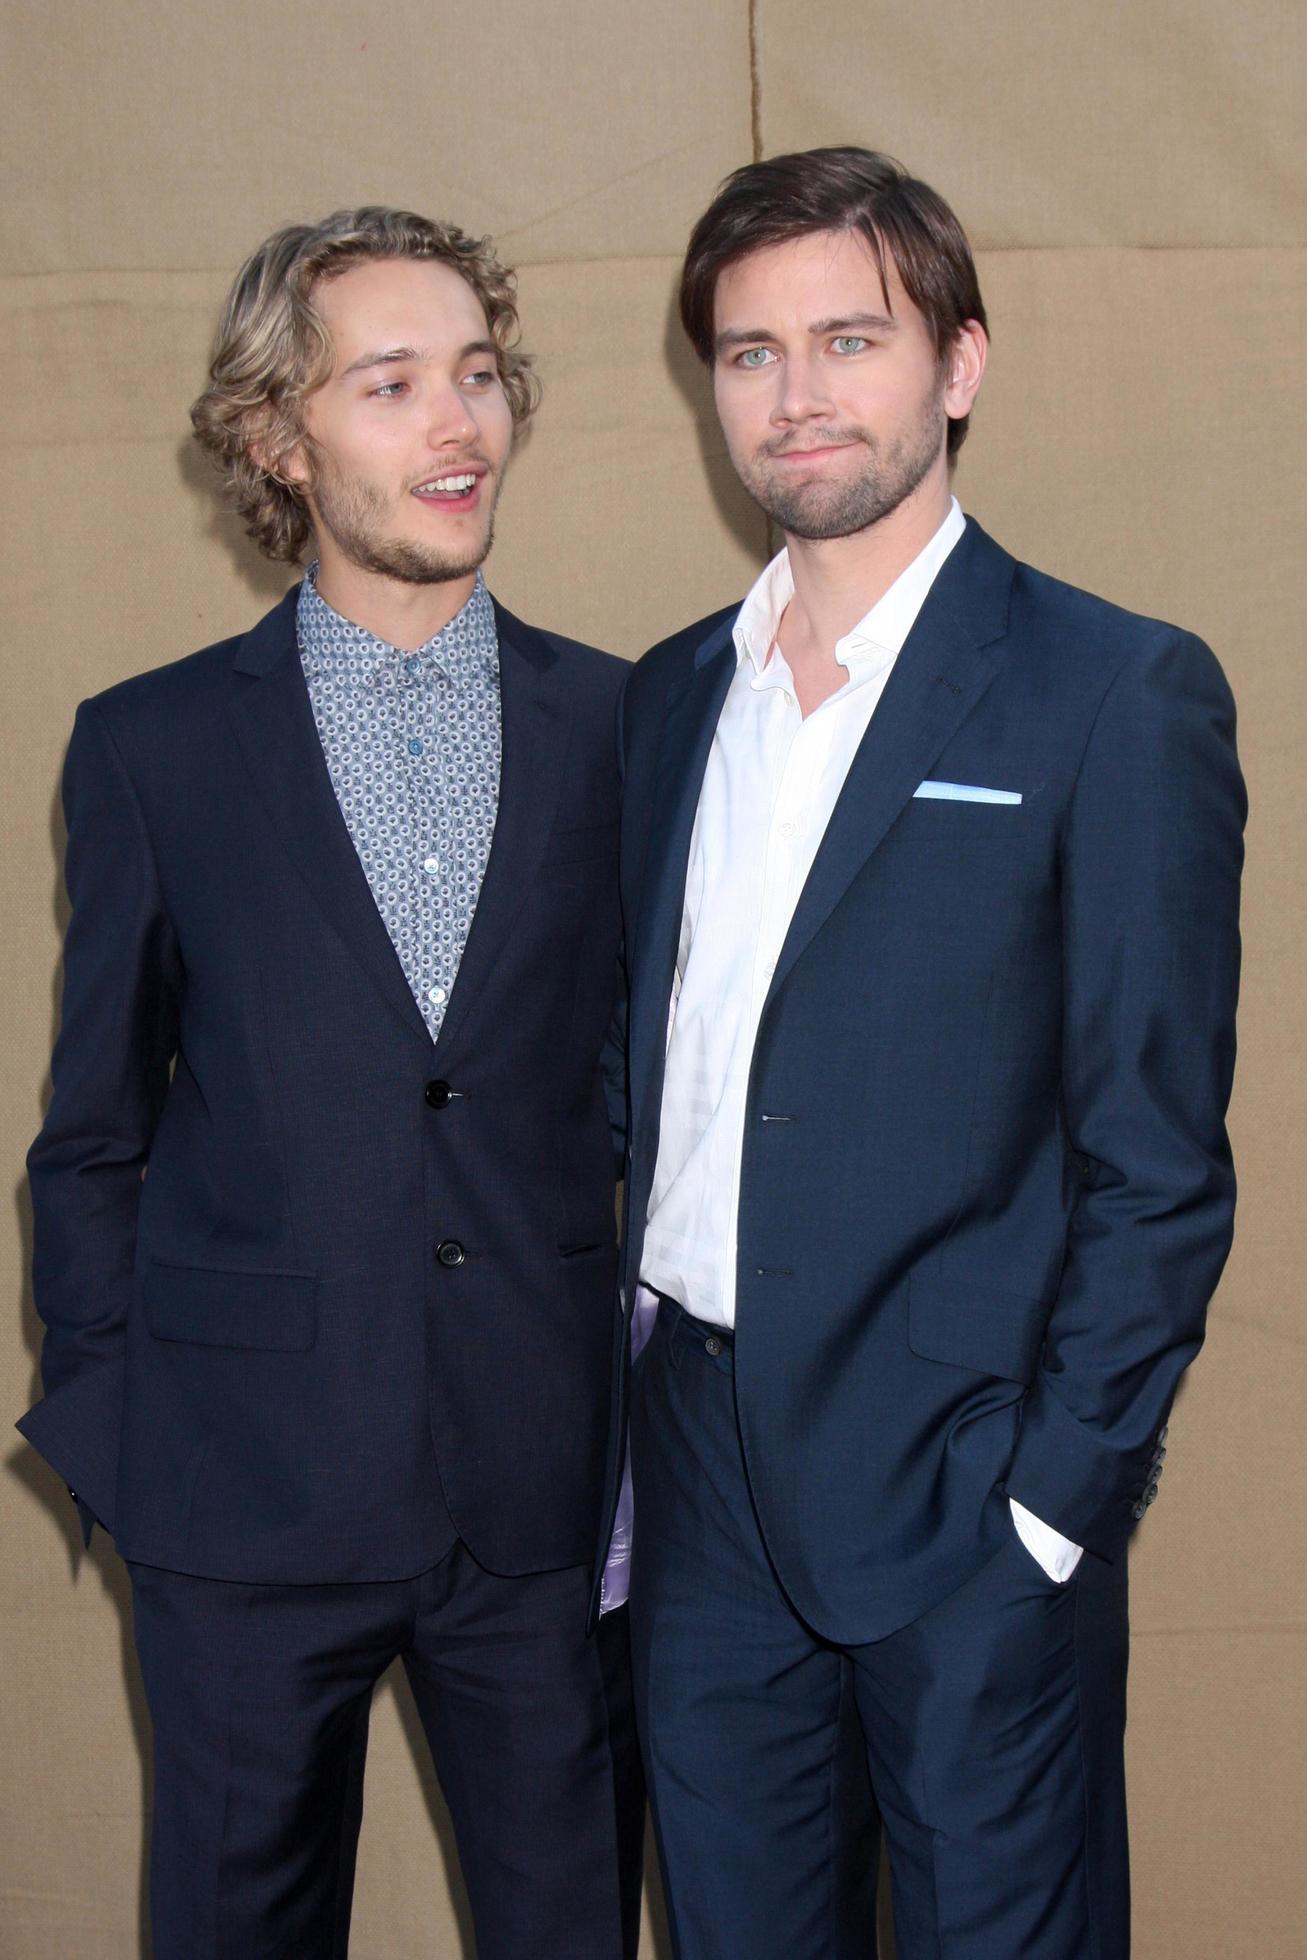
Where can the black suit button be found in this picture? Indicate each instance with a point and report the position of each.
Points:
(450, 1253)
(439, 1095)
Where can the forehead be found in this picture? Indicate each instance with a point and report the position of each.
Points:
(822, 276)
(399, 302)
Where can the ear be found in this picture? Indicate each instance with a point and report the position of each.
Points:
(294, 470)
(965, 369)
(290, 468)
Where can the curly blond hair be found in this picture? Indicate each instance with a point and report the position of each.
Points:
(271, 351)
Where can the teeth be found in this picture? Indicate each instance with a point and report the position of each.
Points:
(453, 485)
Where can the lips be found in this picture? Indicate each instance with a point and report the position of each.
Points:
(810, 455)
(453, 489)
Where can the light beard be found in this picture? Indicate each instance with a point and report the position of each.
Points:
(820, 511)
(354, 513)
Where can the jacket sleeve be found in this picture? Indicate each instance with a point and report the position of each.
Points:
(1153, 850)
(110, 1075)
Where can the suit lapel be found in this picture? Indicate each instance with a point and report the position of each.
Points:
(946, 663)
(536, 727)
(274, 724)
(690, 721)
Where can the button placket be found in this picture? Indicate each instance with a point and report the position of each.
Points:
(401, 739)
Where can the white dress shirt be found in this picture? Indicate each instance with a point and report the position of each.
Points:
(772, 781)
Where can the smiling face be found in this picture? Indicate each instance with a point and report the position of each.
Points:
(832, 397)
(409, 438)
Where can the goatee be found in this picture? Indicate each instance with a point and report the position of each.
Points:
(838, 510)
(355, 513)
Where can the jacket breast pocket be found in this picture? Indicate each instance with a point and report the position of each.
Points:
(212, 1306)
(975, 1327)
(937, 820)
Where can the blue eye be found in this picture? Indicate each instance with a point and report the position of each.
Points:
(389, 389)
(754, 357)
(848, 343)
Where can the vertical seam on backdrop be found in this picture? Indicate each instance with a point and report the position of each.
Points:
(755, 141)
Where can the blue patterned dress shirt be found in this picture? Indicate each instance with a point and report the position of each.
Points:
(413, 746)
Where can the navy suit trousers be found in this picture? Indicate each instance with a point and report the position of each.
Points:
(260, 1698)
(993, 1723)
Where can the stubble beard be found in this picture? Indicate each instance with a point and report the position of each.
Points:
(838, 510)
(355, 514)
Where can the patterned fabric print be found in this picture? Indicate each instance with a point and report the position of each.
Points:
(412, 742)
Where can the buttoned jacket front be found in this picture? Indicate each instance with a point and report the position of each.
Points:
(319, 1292)
(986, 1190)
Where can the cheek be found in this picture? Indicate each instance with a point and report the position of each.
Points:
(367, 447)
(743, 416)
(494, 420)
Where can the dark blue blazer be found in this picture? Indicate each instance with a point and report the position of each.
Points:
(256, 1364)
(986, 1188)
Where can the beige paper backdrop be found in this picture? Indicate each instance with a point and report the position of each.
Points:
(1132, 178)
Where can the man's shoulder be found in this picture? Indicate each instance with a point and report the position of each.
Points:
(586, 667)
(672, 659)
(1086, 628)
(177, 683)
(187, 685)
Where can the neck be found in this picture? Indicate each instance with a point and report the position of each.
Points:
(837, 581)
(403, 615)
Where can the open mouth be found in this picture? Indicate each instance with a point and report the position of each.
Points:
(454, 490)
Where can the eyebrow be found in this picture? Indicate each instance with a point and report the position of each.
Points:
(878, 322)
(749, 336)
(390, 356)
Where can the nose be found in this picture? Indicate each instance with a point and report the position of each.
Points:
(803, 393)
(452, 422)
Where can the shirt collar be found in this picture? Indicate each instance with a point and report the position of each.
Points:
(878, 635)
(330, 644)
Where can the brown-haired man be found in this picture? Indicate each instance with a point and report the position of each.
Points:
(342, 957)
(930, 880)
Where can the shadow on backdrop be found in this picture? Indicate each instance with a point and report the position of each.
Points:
(737, 510)
(262, 579)
(99, 1564)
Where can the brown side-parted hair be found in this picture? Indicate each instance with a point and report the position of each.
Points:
(272, 350)
(839, 189)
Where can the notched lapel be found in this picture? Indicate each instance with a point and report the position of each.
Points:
(536, 726)
(273, 720)
(946, 663)
(692, 711)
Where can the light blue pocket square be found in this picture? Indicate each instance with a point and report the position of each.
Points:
(966, 793)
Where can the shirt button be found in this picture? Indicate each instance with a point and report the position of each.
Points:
(788, 828)
(450, 1253)
(412, 665)
(415, 745)
(436, 995)
(431, 865)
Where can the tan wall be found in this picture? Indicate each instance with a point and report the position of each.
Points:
(1131, 177)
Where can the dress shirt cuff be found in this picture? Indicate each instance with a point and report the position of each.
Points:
(1058, 1555)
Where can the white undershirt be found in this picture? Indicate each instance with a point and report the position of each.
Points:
(772, 781)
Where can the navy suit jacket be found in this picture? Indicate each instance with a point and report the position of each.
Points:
(255, 1365)
(986, 1189)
